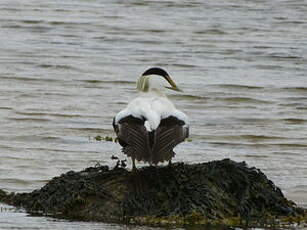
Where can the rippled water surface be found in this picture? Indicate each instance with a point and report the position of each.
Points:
(67, 67)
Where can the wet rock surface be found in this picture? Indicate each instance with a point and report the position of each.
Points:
(223, 191)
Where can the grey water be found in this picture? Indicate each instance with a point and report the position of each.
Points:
(67, 67)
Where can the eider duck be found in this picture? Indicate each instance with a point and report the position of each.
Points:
(150, 126)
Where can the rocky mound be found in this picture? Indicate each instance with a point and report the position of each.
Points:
(220, 192)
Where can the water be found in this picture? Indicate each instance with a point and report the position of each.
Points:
(67, 67)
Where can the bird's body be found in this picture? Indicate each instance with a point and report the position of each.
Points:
(153, 106)
(150, 126)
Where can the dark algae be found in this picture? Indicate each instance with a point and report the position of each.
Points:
(218, 192)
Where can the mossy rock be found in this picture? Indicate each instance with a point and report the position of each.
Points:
(219, 192)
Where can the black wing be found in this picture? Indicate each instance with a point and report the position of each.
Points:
(133, 137)
(170, 133)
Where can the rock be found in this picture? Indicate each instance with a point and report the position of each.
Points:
(218, 192)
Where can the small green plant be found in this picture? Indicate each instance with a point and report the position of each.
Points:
(106, 138)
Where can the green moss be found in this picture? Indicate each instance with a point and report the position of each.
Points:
(196, 219)
(177, 196)
(106, 138)
(98, 138)
(193, 218)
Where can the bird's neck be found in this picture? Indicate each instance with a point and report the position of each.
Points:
(153, 92)
(150, 84)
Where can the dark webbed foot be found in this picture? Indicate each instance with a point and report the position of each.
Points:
(134, 169)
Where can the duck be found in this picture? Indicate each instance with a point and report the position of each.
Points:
(150, 127)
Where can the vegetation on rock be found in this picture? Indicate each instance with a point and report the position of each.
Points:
(218, 192)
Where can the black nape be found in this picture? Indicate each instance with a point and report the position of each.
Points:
(155, 71)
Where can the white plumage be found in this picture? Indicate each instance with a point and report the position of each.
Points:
(153, 106)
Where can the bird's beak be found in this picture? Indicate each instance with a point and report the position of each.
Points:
(174, 88)
(172, 83)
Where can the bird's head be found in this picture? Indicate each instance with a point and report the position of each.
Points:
(145, 83)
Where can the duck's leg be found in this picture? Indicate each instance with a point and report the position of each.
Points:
(133, 164)
(169, 163)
